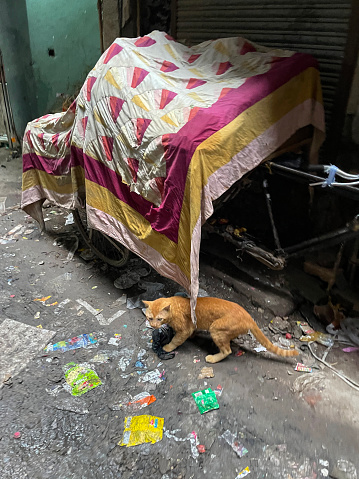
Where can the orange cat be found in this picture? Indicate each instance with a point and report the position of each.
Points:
(223, 319)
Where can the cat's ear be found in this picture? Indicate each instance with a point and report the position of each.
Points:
(164, 312)
(147, 303)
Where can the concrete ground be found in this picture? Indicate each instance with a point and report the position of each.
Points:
(294, 425)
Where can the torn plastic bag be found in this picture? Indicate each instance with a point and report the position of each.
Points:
(160, 337)
(152, 291)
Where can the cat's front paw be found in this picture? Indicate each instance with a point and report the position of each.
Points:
(210, 359)
(168, 348)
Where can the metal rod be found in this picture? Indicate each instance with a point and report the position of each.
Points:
(270, 212)
(291, 172)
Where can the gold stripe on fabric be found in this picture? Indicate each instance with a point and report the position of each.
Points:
(220, 148)
(102, 199)
(60, 184)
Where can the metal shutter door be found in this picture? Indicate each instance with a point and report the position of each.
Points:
(318, 27)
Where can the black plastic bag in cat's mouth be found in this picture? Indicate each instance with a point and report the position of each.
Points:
(160, 337)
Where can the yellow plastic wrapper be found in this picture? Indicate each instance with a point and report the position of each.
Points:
(140, 429)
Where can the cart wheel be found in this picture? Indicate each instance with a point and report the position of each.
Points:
(106, 248)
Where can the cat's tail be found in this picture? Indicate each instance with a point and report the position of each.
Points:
(258, 334)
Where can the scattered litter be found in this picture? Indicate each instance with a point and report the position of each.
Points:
(13, 235)
(305, 327)
(232, 440)
(101, 358)
(69, 219)
(319, 337)
(219, 390)
(201, 448)
(152, 292)
(161, 336)
(240, 353)
(82, 341)
(288, 336)
(192, 437)
(116, 340)
(17, 435)
(94, 287)
(140, 401)
(153, 377)
(279, 325)
(244, 473)
(126, 358)
(39, 326)
(196, 360)
(37, 315)
(351, 349)
(130, 278)
(260, 349)
(43, 299)
(141, 429)
(302, 368)
(206, 400)
(80, 378)
(344, 470)
(206, 372)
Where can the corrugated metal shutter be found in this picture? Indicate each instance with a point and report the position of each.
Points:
(318, 27)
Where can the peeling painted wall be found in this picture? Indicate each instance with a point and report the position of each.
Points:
(65, 45)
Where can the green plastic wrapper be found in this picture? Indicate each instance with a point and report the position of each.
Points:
(206, 400)
(80, 378)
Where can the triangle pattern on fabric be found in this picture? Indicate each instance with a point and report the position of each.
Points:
(170, 51)
(133, 164)
(168, 67)
(42, 142)
(221, 48)
(110, 78)
(139, 74)
(116, 106)
(168, 120)
(193, 58)
(145, 42)
(138, 101)
(247, 48)
(166, 97)
(193, 112)
(89, 85)
(84, 121)
(108, 146)
(223, 67)
(112, 51)
(194, 83)
(141, 127)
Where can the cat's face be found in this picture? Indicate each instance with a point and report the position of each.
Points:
(156, 314)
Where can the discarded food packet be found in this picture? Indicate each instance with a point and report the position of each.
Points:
(140, 401)
(232, 440)
(206, 372)
(101, 358)
(141, 429)
(160, 337)
(154, 377)
(82, 341)
(322, 338)
(81, 378)
(219, 390)
(244, 473)
(304, 369)
(206, 400)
